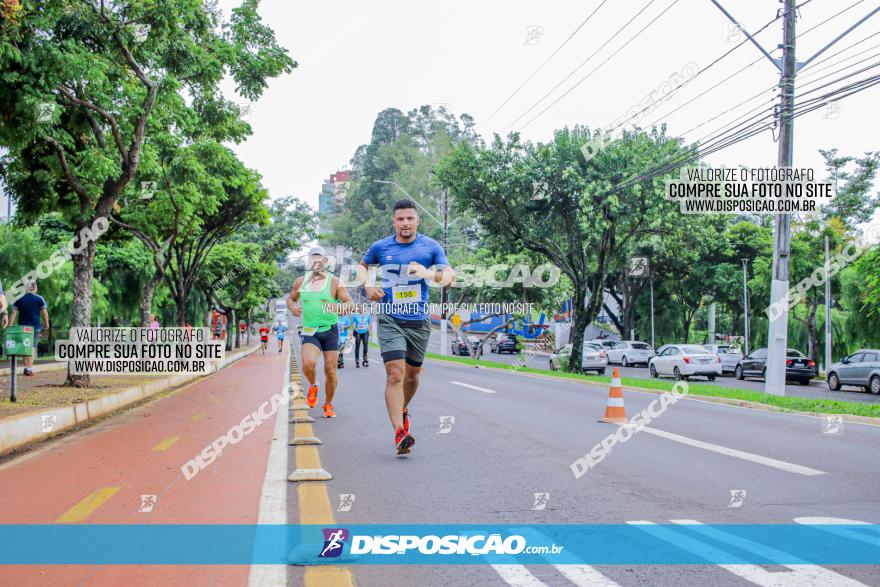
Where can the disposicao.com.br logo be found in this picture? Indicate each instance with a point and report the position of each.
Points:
(450, 544)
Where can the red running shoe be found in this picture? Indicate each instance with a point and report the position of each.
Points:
(404, 441)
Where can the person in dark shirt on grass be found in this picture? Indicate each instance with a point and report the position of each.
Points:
(31, 311)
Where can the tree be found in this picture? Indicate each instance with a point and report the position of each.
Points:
(575, 221)
(81, 80)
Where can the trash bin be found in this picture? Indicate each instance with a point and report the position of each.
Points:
(19, 341)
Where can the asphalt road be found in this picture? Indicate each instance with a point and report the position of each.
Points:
(816, 389)
(516, 435)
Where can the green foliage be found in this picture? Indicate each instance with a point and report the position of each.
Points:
(404, 149)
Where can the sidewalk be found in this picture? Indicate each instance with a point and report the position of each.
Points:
(100, 476)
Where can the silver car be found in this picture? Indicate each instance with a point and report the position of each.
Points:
(730, 356)
(630, 352)
(593, 358)
(861, 369)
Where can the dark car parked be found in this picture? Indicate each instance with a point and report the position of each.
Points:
(797, 366)
(507, 344)
(861, 369)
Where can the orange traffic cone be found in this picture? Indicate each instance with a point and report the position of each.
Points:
(615, 413)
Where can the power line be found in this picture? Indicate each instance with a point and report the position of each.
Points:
(832, 17)
(715, 62)
(721, 141)
(728, 78)
(584, 62)
(595, 69)
(546, 61)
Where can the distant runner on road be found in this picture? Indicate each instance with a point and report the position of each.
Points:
(264, 337)
(320, 333)
(361, 326)
(280, 329)
(408, 259)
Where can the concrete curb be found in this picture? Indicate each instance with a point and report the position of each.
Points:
(23, 429)
(41, 368)
(706, 398)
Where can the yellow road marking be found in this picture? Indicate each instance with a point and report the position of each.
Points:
(199, 416)
(165, 444)
(315, 508)
(301, 430)
(84, 509)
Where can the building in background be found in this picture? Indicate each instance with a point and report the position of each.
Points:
(7, 206)
(331, 201)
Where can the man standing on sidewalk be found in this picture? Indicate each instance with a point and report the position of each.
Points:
(317, 289)
(31, 311)
(408, 260)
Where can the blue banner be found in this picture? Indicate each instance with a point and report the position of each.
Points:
(625, 544)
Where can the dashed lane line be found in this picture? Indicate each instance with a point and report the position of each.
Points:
(468, 385)
(165, 444)
(732, 452)
(87, 506)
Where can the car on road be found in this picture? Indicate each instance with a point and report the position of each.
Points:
(861, 369)
(730, 356)
(605, 343)
(683, 361)
(630, 352)
(504, 343)
(798, 367)
(593, 358)
(461, 346)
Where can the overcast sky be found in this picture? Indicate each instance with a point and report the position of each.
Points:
(358, 58)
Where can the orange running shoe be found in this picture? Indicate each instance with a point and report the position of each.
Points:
(328, 410)
(312, 399)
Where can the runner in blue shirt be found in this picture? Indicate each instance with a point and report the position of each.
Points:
(280, 328)
(361, 324)
(344, 327)
(408, 260)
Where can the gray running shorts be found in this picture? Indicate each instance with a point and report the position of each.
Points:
(403, 339)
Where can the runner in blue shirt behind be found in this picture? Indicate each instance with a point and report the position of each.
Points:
(344, 327)
(408, 260)
(280, 328)
(361, 325)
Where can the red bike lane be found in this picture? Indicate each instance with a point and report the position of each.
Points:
(100, 475)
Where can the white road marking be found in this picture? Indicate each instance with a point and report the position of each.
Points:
(517, 575)
(801, 573)
(739, 454)
(569, 565)
(845, 532)
(273, 500)
(468, 385)
(797, 576)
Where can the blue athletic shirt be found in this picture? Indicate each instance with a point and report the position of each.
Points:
(361, 322)
(280, 329)
(394, 257)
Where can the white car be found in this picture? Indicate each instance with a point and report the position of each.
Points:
(729, 355)
(593, 358)
(686, 360)
(630, 352)
(604, 343)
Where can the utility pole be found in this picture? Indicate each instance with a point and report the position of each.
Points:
(827, 305)
(444, 204)
(652, 310)
(746, 306)
(788, 66)
(777, 340)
